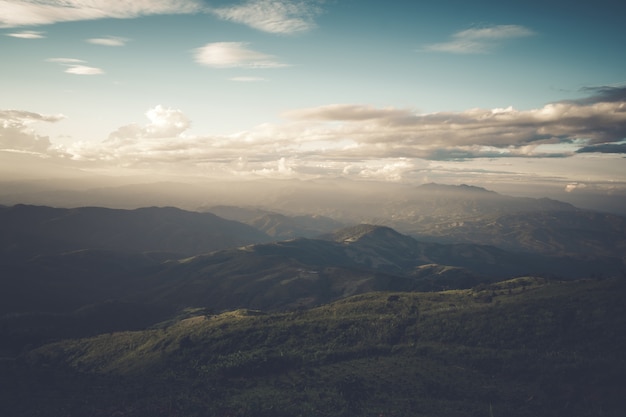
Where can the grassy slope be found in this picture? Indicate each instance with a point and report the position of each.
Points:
(525, 347)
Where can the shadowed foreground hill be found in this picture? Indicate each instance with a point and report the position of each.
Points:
(520, 348)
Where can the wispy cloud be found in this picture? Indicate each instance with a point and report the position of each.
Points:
(479, 40)
(234, 55)
(273, 16)
(603, 93)
(27, 34)
(76, 66)
(17, 13)
(65, 60)
(83, 70)
(108, 41)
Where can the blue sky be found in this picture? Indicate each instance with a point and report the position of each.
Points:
(481, 92)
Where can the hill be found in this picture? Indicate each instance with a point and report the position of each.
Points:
(517, 348)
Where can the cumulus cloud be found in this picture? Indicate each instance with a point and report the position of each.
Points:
(17, 135)
(27, 34)
(44, 12)
(164, 123)
(76, 66)
(479, 40)
(234, 55)
(108, 41)
(273, 16)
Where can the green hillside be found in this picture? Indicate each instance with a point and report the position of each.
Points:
(523, 347)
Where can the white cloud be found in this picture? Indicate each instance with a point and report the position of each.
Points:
(17, 13)
(76, 67)
(164, 123)
(479, 40)
(234, 55)
(108, 41)
(27, 34)
(274, 16)
(16, 135)
(83, 70)
(574, 186)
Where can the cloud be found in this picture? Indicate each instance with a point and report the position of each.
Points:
(27, 34)
(83, 70)
(479, 40)
(16, 135)
(602, 94)
(574, 186)
(44, 12)
(498, 132)
(108, 41)
(273, 16)
(69, 61)
(367, 142)
(164, 123)
(234, 55)
(76, 66)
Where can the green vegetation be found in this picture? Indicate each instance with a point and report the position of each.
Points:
(517, 348)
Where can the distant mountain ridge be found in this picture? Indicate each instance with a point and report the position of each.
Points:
(36, 230)
(279, 226)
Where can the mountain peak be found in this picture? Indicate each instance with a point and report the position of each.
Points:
(361, 231)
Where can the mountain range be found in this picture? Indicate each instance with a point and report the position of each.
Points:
(491, 300)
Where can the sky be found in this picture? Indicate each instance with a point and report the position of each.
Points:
(499, 94)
